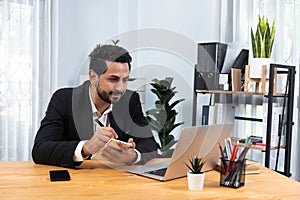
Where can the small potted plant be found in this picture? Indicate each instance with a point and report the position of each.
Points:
(262, 43)
(195, 174)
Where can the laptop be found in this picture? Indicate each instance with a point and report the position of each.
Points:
(196, 140)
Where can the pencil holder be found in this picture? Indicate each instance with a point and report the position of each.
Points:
(232, 173)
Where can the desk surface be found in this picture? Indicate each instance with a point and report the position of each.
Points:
(25, 180)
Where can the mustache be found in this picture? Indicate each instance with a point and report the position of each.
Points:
(116, 92)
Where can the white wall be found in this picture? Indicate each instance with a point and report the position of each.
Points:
(161, 35)
(80, 25)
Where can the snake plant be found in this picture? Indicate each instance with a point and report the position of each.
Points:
(162, 118)
(262, 41)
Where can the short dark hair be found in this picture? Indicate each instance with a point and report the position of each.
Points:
(112, 53)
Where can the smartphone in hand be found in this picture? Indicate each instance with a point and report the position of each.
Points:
(113, 143)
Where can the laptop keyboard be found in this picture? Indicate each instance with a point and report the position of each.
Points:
(158, 172)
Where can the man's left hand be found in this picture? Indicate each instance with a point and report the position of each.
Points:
(123, 155)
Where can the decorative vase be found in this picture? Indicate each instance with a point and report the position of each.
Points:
(195, 181)
(256, 67)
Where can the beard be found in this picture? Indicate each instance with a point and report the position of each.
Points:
(105, 96)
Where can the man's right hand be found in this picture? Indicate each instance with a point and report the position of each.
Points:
(99, 139)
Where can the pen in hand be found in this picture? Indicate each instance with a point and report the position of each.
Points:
(101, 125)
(99, 139)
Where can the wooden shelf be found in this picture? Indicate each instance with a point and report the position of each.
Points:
(228, 92)
(263, 148)
(236, 92)
(258, 147)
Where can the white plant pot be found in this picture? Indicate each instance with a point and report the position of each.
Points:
(195, 181)
(256, 67)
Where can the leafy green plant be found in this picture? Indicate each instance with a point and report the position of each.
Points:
(195, 165)
(262, 41)
(162, 118)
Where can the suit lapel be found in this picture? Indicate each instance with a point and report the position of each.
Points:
(82, 111)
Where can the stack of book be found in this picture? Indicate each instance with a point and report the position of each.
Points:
(218, 113)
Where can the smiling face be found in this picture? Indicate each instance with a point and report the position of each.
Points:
(112, 84)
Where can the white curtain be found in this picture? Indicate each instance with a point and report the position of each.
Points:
(24, 74)
(45, 74)
(286, 46)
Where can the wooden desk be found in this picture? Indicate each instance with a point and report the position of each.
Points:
(25, 180)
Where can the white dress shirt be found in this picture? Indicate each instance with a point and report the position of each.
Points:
(103, 118)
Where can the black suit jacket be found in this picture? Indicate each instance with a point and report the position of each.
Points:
(69, 120)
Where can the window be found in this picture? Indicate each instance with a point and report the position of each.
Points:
(16, 79)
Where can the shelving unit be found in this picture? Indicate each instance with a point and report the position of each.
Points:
(287, 122)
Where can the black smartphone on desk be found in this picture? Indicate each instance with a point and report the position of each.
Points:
(59, 175)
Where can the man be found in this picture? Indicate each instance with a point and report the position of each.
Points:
(79, 121)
